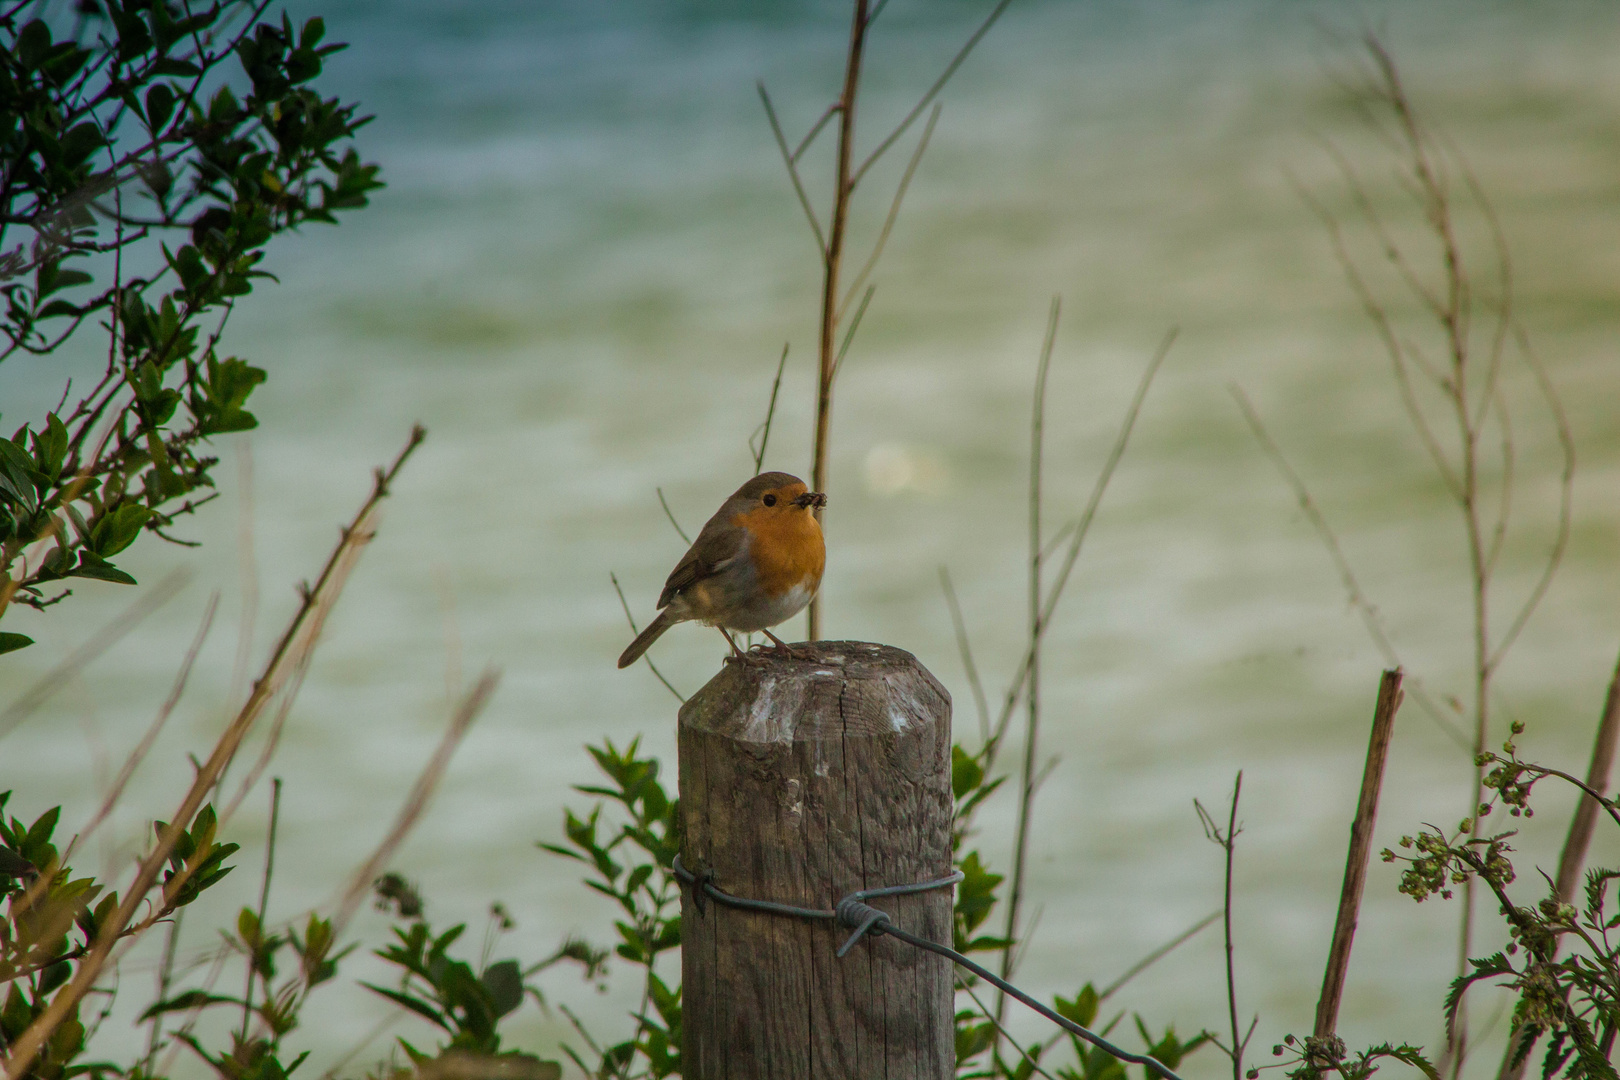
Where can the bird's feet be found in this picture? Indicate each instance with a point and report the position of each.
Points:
(782, 650)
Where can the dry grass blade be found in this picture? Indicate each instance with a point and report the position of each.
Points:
(290, 653)
(1369, 613)
(416, 802)
(104, 639)
(142, 748)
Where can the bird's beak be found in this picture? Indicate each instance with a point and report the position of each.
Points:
(809, 499)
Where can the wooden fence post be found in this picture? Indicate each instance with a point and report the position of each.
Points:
(802, 781)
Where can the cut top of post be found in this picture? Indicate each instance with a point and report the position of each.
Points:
(843, 688)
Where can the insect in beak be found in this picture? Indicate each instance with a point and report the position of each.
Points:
(809, 499)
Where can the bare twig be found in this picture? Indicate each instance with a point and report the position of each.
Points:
(142, 748)
(832, 259)
(849, 334)
(264, 903)
(1002, 1032)
(894, 210)
(815, 129)
(634, 629)
(1228, 842)
(763, 432)
(671, 515)
(1032, 691)
(1566, 491)
(1355, 866)
(1156, 955)
(1082, 528)
(790, 159)
(933, 91)
(965, 648)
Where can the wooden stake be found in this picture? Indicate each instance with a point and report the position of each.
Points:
(1355, 867)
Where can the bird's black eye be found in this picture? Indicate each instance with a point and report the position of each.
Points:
(770, 500)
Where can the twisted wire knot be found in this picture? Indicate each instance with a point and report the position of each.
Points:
(854, 912)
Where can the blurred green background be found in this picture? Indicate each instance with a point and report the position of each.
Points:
(580, 278)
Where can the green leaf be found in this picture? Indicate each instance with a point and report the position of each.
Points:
(92, 565)
(56, 309)
(10, 642)
(50, 446)
(416, 1005)
(504, 983)
(966, 772)
(159, 106)
(191, 999)
(1082, 1008)
(116, 530)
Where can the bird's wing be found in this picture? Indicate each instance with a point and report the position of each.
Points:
(714, 549)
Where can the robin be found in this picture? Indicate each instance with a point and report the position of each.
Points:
(756, 563)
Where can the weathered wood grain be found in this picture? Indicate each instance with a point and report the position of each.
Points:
(802, 781)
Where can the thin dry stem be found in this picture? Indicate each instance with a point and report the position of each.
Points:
(102, 640)
(416, 801)
(894, 210)
(763, 432)
(1156, 955)
(1032, 693)
(965, 649)
(634, 629)
(670, 514)
(1082, 528)
(933, 91)
(1227, 841)
(1370, 615)
(790, 159)
(142, 748)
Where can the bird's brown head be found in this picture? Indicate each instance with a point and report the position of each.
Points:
(775, 494)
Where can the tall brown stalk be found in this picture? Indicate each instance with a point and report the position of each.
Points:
(836, 331)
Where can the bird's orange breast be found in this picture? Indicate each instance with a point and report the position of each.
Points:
(786, 548)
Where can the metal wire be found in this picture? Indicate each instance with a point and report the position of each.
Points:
(854, 912)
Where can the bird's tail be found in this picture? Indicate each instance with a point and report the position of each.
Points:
(645, 639)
